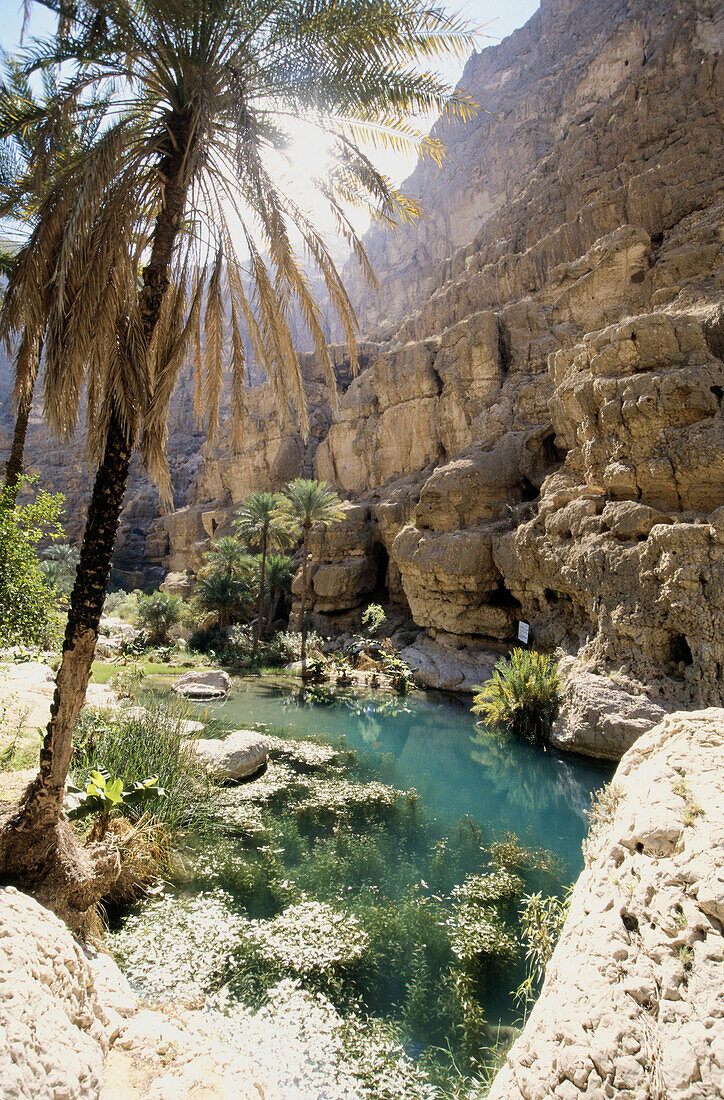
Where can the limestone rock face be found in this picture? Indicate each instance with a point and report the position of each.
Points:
(235, 757)
(60, 1006)
(448, 667)
(632, 1000)
(599, 717)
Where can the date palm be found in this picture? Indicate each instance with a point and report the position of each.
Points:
(38, 139)
(134, 257)
(309, 502)
(259, 522)
(225, 595)
(227, 557)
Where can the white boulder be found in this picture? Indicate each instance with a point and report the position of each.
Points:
(209, 684)
(240, 754)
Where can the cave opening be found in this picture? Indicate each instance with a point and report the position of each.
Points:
(528, 491)
(503, 597)
(381, 558)
(680, 651)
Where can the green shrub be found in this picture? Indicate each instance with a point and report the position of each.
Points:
(123, 605)
(288, 645)
(157, 613)
(373, 617)
(522, 698)
(135, 744)
(29, 606)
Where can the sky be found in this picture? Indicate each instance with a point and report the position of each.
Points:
(495, 19)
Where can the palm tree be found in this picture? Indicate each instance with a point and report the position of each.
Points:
(225, 595)
(279, 575)
(228, 558)
(309, 502)
(260, 522)
(38, 141)
(132, 257)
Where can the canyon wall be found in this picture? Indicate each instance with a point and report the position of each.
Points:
(537, 429)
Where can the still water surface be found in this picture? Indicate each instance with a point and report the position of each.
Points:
(429, 741)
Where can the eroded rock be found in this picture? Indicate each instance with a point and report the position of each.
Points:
(237, 756)
(632, 1000)
(202, 684)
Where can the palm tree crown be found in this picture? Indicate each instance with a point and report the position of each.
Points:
(203, 97)
(311, 502)
(229, 558)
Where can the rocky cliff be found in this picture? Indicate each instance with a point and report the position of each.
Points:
(633, 1004)
(537, 431)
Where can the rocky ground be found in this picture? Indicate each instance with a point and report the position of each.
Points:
(633, 1001)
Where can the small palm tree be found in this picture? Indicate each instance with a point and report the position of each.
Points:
(224, 595)
(309, 502)
(157, 613)
(522, 697)
(60, 565)
(279, 576)
(260, 523)
(229, 558)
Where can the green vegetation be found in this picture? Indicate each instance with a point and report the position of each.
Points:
(29, 606)
(373, 617)
(157, 613)
(122, 605)
(522, 698)
(542, 919)
(132, 746)
(102, 795)
(59, 567)
(320, 872)
(260, 522)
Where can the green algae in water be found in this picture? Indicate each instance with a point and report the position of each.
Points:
(322, 873)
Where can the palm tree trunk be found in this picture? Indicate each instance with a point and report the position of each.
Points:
(304, 600)
(41, 810)
(261, 595)
(272, 607)
(14, 466)
(44, 801)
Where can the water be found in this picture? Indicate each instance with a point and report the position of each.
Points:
(429, 742)
(323, 860)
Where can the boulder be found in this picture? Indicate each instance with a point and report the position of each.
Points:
(446, 668)
(240, 754)
(211, 684)
(599, 717)
(60, 1005)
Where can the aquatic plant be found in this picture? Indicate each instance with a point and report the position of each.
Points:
(522, 697)
(131, 744)
(343, 882)
(541, 920)
(309, 937)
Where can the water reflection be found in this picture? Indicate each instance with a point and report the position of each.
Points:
(430, 742)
